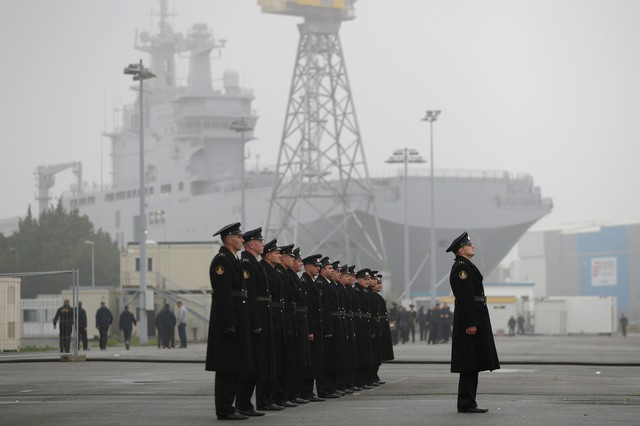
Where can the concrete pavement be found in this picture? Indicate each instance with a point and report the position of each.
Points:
(157, 387)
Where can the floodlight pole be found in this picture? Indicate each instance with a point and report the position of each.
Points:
(242, 127)
(140, 73)
(406, 160)
(431, 117)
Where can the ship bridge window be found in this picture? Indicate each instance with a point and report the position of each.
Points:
(109, 197)
(165, 189)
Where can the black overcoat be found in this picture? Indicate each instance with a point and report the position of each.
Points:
(276, 286)
(332, 319)
(363, 326)
(230, 351)
(314, 322)
(384, 330)
(259, 302)
(301, 338)
(477, 352)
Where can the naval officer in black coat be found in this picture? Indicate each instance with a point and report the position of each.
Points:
(228, 344)
(473, 349)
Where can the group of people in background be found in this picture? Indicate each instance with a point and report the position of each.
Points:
(292, 329)
(165, 322)
(512, 325)
(433, 325)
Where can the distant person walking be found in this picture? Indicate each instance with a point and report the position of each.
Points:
(520, 324)
(127, 321)
(82, 326)
(104, 318)
(624, 322)
(512, 326)
(65, 315)
(182, 324)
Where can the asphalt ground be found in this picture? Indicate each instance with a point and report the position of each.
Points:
(570, 380)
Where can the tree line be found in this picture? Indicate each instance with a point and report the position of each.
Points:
(57, 241)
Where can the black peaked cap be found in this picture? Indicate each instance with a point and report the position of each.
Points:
(459, 242)
(232, 229)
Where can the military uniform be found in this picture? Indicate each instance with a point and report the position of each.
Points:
(333, 336)
(258, 303)
(315, 327)
(470, 354)
(228, 345)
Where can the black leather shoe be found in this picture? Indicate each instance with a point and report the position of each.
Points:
(300, 401)
(473, 410)
(251, 413)
(380, 382)
(348, 391)
(367, 387)
(271, 407)
(356, 389)
(288, 404)
(234, 416)
(315, 399)
(374, 384)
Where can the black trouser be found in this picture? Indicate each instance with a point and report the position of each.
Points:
(326, 384)
(127, 336)
(277, 391)
(225, 393)
(467, 387)
(243, 396)
(65, 338)
(306, 388)
(263, 397)
(104, 334)
(83, 338)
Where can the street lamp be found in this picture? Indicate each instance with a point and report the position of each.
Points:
(93, 263)
(431, 117)
(406, 156)
(140, 73)
(242, 127)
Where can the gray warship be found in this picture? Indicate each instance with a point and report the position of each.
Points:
(195, 183)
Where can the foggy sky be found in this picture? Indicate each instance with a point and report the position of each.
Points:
(549, 88)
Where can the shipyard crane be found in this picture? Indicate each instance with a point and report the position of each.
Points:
(322, 173)
(46, 180)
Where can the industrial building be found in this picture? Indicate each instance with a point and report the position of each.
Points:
(584, 260)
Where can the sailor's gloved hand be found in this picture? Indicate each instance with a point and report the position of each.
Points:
(230, 331)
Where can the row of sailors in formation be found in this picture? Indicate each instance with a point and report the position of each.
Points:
(295, 330)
